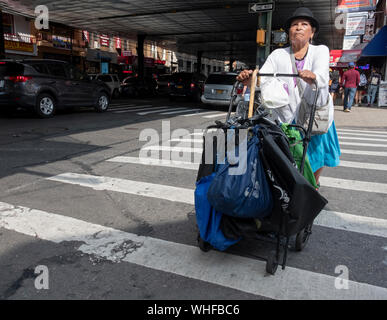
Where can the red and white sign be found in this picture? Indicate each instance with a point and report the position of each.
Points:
(86, 36)
(356, 23)
(118, 43)
(104, 40)
(126, 53)
(341, 58)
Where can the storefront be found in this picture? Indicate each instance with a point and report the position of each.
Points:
(99, 61)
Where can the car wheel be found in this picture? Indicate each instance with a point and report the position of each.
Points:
(102, 102)
(45, 105)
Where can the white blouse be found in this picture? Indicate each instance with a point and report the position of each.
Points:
(317, 61)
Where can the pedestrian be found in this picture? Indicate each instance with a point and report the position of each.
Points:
(350, 82)
(313, 65)
(374, 82)
(361, 89)
(334, 88)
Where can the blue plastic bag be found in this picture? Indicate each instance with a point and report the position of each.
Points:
(208, 219)
(245, 195)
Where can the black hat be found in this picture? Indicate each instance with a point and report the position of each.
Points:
(302, 12)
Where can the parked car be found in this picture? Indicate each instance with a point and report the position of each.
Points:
(112, 81)
(137, 87)
(163, 84)
(185, 84)
(218, 88)
(47, 85)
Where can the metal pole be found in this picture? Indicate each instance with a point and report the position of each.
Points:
(2, 46)
(269, 16)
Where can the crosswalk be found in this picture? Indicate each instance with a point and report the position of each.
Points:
(144, 110)
(228, 270)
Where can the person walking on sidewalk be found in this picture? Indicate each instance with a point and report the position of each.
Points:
(350, 82)
(374, 82)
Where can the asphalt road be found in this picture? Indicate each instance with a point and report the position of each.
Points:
(112, 228)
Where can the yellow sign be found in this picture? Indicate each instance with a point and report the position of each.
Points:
(18, 46)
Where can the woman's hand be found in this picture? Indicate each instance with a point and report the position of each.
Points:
(308, 76)
(244, 77)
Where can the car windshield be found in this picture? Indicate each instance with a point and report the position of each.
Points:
(11, 69)
(221, 79)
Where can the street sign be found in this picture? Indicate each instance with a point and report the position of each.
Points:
(260, 7)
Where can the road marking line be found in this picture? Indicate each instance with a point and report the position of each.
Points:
(155, 111)
(215, 115)
(354, 185)
(366, 225)
(128, 186)
(373, 145)
(365, 139)
(350, 222)
(173, 149)
(199, 113)
(176, 112)
(363, 134)
(362, 131)
(142, 109)
(156, 162)
(363, 165)
(227, 270)
(364, 152)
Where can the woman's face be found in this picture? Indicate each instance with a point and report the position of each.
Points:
(300, 31)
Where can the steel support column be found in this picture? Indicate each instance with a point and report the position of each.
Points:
(199, 62)
(140, 54)
(2, 46)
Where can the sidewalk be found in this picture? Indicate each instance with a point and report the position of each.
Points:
(361, 117)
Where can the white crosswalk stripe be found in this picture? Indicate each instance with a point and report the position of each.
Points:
(364, 139)
(352, 134)
(376, 145)
(177, 112)
(384, 133)
(157, 111)
(364, 152)
(227, 270)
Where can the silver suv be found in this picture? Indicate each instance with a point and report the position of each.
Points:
(112, 81)
(218, 87)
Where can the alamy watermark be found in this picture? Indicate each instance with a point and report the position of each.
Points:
(189, 147)
(42, 17)
(42, 280)
(342, 280)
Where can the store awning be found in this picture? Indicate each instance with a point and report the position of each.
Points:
(377, 46)
(341, 58)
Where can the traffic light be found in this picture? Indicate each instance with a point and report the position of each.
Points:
(261, 35)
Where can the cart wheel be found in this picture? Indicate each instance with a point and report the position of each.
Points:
(204, 246)
(271, 264)
(303, 237)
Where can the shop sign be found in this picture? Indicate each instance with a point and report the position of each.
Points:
(369, 30)
(104, 40)
(355, 5)
(356, 23)
(160, 62)
(86, 36)
(126, 53)
(382, 99)
(18, 46)
(341, 58)
(149, 62)
(118, 43)
(61, 42)
(350, 42)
